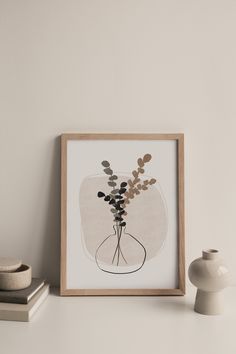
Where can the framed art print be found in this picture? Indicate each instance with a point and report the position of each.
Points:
(122, 214)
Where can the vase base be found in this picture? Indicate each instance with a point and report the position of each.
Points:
(122, 254)
(208, 303)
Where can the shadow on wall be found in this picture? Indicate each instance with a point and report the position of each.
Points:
(50, 257)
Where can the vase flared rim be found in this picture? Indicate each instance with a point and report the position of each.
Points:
(210, 253)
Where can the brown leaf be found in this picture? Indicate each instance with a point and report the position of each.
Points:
(140, 170)
(147, 158)
(135, 173)
(140, 162)
(144, 188)
(152, 181)
(130, 183)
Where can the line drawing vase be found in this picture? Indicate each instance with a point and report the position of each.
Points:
(120, 252)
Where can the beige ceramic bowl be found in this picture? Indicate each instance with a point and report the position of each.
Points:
(9, 264)
(19, 279)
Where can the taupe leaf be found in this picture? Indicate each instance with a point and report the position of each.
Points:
(105, 163)
(113, 177)
(115, 191)
(108, 171)
(112, 184)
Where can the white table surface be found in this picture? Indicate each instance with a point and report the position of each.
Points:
(118, 325)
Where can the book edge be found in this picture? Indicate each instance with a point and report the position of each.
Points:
(25, 311)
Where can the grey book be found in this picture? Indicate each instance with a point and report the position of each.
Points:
(22, 296)
(21, 312)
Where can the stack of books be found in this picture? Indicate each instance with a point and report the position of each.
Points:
(20, 305)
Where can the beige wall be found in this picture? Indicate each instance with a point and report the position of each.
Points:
(115, 66)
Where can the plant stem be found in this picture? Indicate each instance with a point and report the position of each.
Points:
(118, 250)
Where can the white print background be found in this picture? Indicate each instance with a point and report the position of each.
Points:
(84, 158)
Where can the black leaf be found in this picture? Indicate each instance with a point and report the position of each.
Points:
(112, 201)
(123, 184)
(122, 190)
(101, 194)
(118, 196)
(120, 201)
(123, 223)
(107, 198)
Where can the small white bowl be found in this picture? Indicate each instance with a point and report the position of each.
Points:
(19, 279)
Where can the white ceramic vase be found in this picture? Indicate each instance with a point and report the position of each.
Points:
(210, 275)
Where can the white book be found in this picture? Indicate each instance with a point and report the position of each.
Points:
(23, 312)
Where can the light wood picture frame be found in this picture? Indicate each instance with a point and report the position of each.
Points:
(122, 214)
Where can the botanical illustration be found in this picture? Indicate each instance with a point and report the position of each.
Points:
(124, 245)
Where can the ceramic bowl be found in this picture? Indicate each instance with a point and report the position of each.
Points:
(9, 264)
(19, 279)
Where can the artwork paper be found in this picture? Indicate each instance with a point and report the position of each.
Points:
(101, 254)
